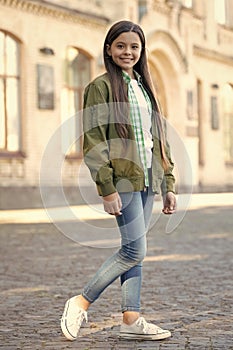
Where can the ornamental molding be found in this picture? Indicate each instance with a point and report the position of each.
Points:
(212, 55)
(161, 7)
(168, 39)
(45, 8)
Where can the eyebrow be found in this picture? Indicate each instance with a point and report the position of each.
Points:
(123, 42)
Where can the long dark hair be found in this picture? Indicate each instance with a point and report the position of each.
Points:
(117, 82)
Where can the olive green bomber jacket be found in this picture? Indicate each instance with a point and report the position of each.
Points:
(113, 165)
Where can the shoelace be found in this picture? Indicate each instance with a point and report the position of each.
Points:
(80, 318)
(142, 322)
(147, 326)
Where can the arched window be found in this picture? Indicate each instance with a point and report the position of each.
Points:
(228, 121)
(76, 77)
(9, 94)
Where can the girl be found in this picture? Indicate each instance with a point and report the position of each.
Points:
(128, 157)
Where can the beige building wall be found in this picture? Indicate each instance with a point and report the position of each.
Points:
(37, 26)
(193, 55)
(190, 57)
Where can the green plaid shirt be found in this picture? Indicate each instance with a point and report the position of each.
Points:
(135, 118)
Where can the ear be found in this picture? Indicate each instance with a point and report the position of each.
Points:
(108, 50)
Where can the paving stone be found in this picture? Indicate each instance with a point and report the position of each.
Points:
(187, 286)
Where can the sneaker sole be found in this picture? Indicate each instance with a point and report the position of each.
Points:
(64, 327)
(134, 336)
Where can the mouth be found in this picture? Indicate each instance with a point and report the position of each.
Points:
(126, 60)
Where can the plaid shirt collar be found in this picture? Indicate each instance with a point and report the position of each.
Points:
(138, 77)
(127, 78)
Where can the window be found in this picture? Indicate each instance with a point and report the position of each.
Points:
(228, 122)
(220, 11)
(142, 8)
(223, 12)
(214, 112)
(76, 77)
(187, 3)
(9, 94)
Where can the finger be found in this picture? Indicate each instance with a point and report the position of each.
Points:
(119, 202)
(168, 211)
(109, 209)
(174, 202)
(117, 206)
(173, 206)
(171, 211)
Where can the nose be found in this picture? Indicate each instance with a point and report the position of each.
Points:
(127, 51)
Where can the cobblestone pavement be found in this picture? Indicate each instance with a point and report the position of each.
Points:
(187, 285)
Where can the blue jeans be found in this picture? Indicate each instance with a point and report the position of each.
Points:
(126, 263)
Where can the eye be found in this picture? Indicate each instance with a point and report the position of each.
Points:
(135, 47)
(120, 46)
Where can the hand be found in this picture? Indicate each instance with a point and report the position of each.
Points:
(169, 203)
(112, 204)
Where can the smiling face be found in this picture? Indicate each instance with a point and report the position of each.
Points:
(125, 51)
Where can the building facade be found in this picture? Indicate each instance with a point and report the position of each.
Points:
(50, 50)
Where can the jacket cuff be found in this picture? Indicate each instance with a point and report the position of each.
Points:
(171, 188)
(168, 186)
(107, 188)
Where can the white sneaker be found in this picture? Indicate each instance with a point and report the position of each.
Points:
(72, 319)
(140, 329)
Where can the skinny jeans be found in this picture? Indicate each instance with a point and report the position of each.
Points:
(126, 263)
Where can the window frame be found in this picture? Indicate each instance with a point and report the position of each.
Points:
(228, 125)
(4, 76)
(76, 90)
(188, 5)
(220, 11)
